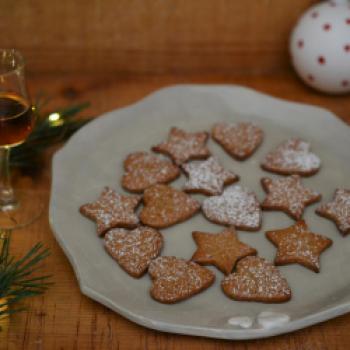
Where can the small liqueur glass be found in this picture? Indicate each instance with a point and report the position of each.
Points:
(17, 208)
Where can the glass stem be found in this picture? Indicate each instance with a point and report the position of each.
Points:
(7, 196)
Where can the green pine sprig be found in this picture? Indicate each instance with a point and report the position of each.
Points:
(46, 133)
(16, 280)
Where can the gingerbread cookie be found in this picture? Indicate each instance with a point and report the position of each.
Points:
(256, 279)
(176, 279)
(289, 195)
(182, 146)
(222, 249)
(237, 206)
(165, 206)
(292, 157)
(144, 170)
(297, 244)
(240, 140)
(207, 177)
(134, 250)
(112, 210)
(338, 210)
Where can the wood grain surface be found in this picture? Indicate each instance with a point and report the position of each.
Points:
(64, 318)
(151, 36)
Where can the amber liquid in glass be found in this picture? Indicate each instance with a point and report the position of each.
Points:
(16, 119)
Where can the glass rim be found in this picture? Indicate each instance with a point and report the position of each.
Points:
(16, 55)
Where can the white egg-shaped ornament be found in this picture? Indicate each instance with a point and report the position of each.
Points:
(320, 46)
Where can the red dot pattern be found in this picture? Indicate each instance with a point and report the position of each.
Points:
(321, 60)
(310, 77)
(327, 27)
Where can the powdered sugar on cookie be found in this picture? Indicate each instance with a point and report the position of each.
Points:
(144, 170)
(256, 280)
(240, 140)
(207, 177)
(166, 206)
(134, 250)
(176, 279)
(289, 195)
(338, 210)
(292, 157)
(237, 206)
(297, 244)
(182, 146)
(112, 210)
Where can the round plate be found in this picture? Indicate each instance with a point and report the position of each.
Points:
(93, 158)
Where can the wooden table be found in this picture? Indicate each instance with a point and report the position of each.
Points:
(65, 319)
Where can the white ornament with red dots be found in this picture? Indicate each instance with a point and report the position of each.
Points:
(320, 46)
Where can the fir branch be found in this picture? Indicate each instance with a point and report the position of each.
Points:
(15, 281)
(46, 133)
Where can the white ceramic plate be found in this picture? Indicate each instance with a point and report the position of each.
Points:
(93, 159)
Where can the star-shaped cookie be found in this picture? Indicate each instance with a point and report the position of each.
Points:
(165, 206)
(338, 210)
(143, 170)
(182, 146)
(288, 194)
(207, 177)
(112, 210)
(297, 244)
(222, 249)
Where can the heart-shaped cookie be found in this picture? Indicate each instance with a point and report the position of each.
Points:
(292, 157)
(256, 280)
(166, 206)
(237, 206)
(143, 170)
(134, 250)
(240, 140)
(176, 279)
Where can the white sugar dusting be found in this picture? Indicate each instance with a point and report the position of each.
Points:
(293, 155)
(182, 146)
(238, 139)
(288, 193)
(112, 209)
(237, 206)
(134, 250)
(256, 279)
(165, 206)
(144, 170)
(177, 279)
(338, 210)
(208, 176)
(298, 244)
